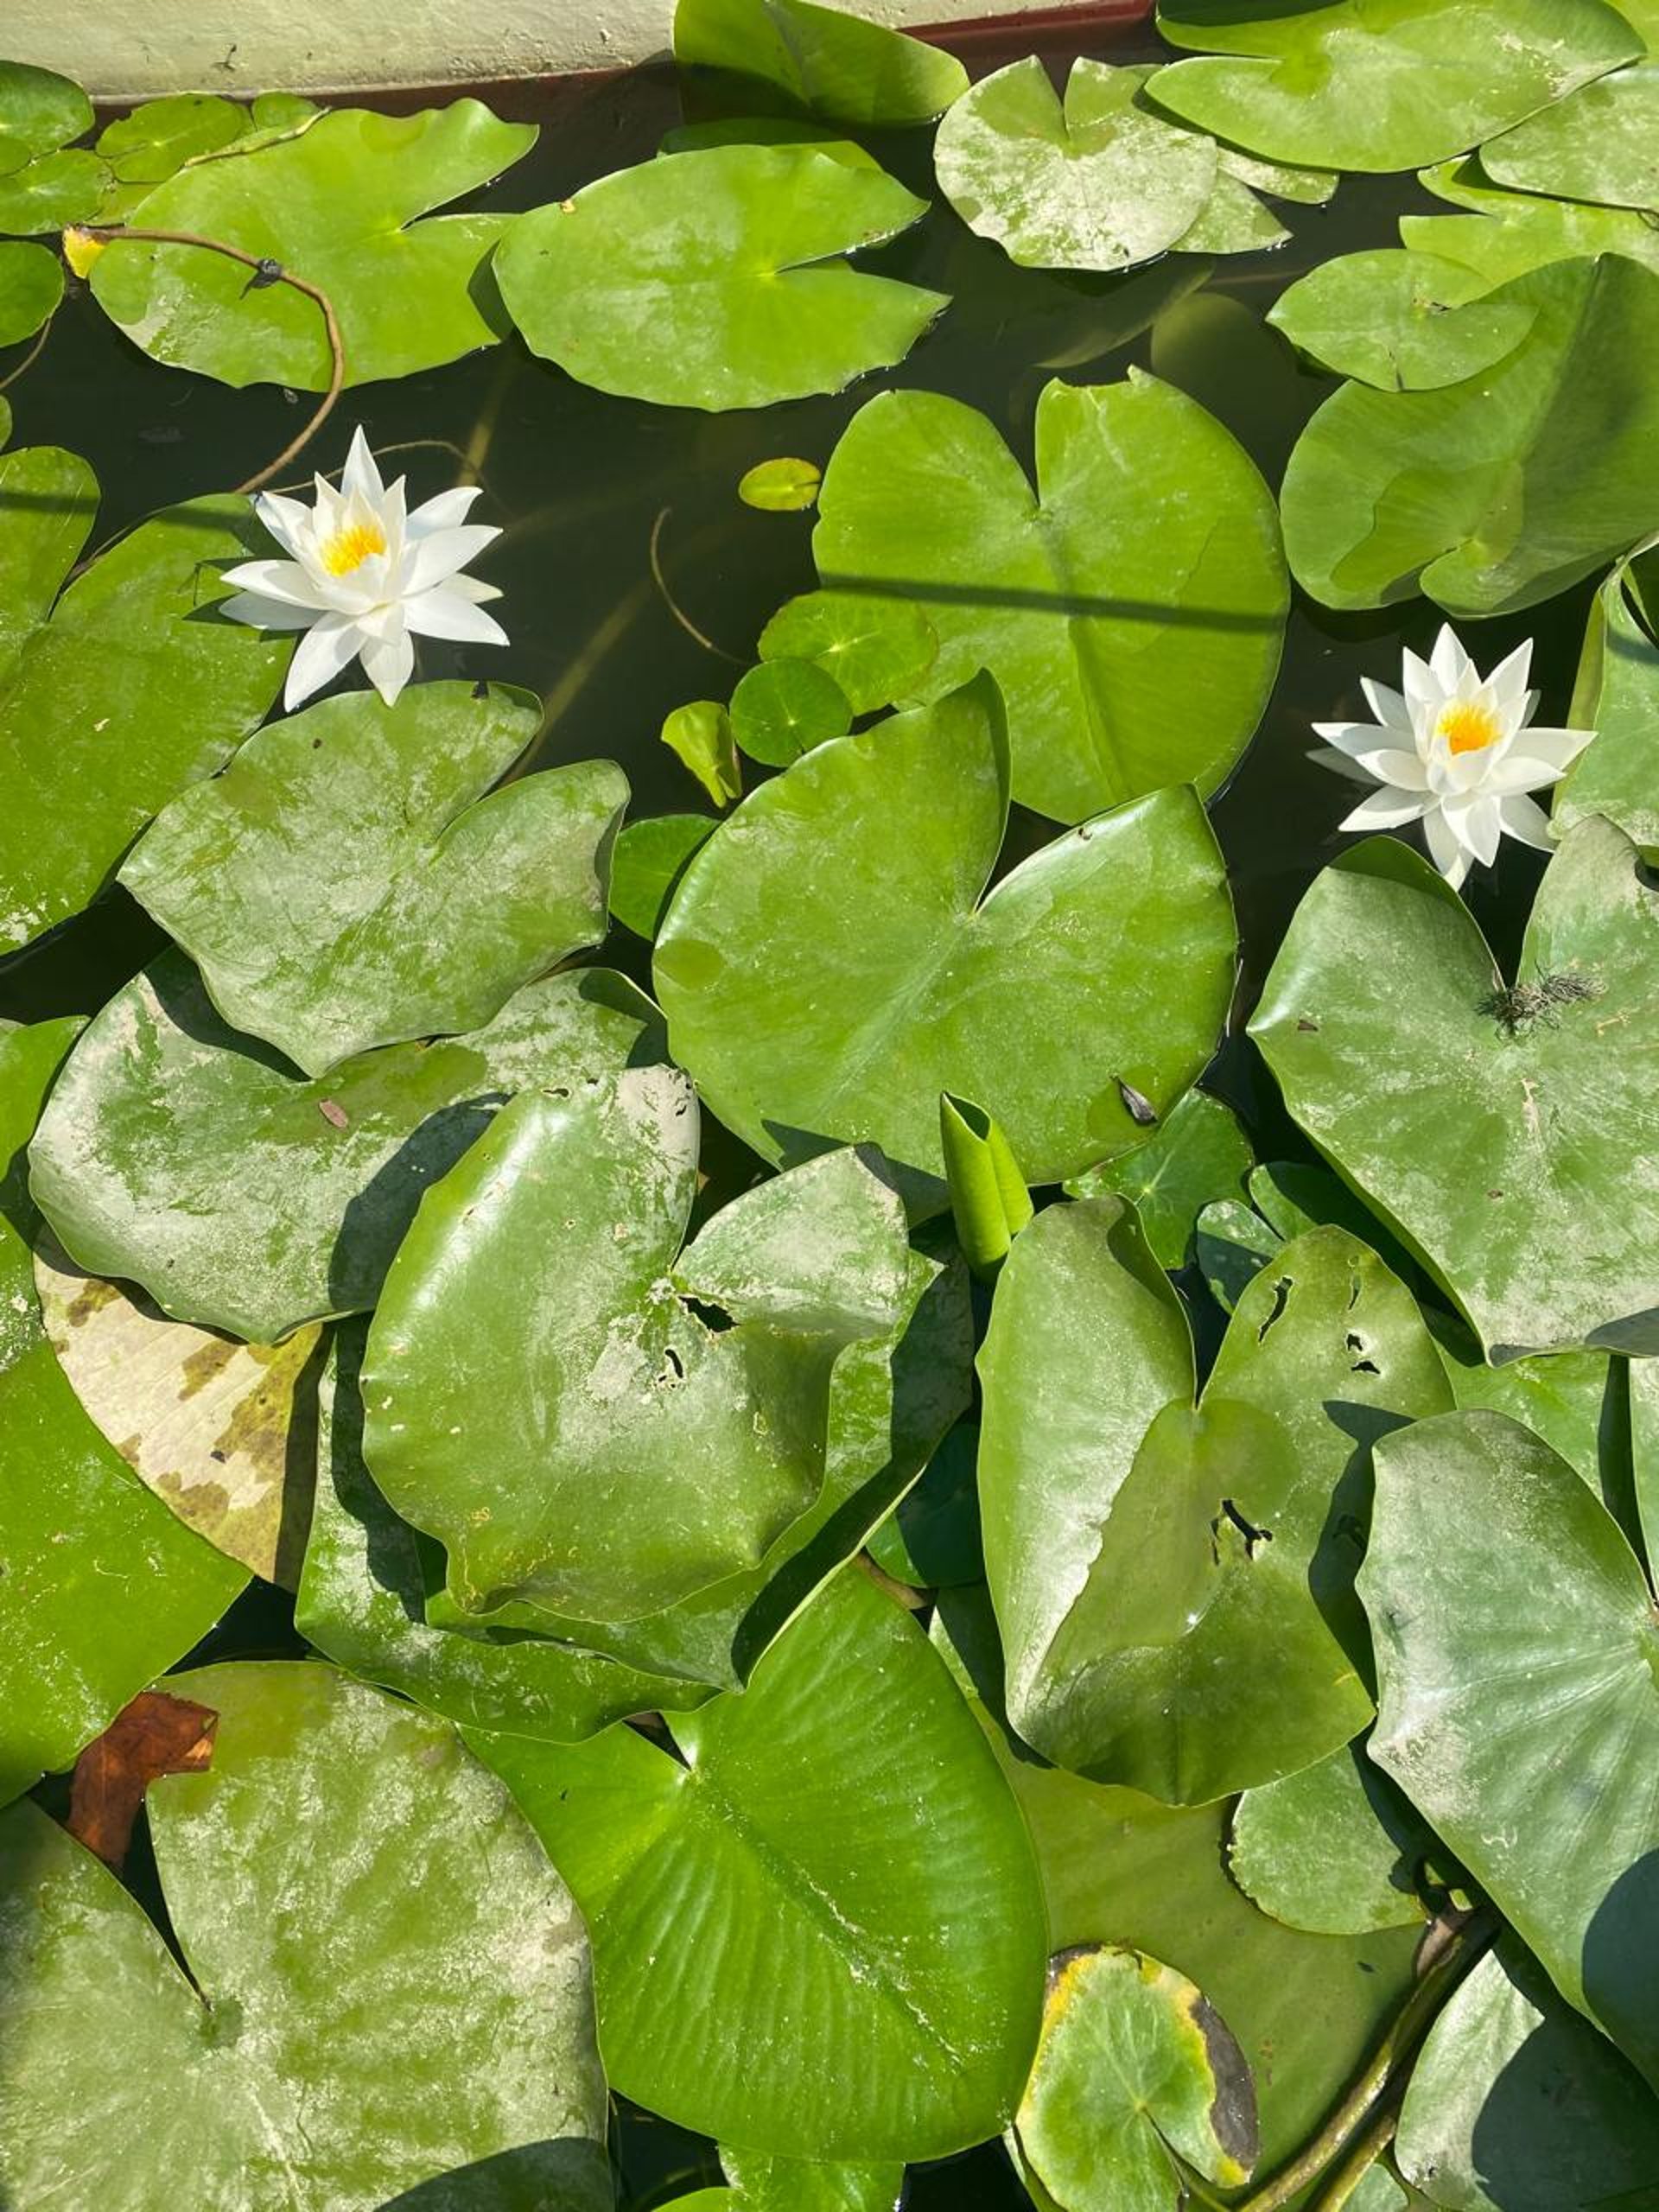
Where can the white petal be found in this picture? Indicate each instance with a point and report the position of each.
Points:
(1425, 694)
(1448, 662)
(1508, 681)
(1447, 854)
(283, 580)
(324, 651)
(1525, 819)
(1405, 771)
(266, 613)
(1560, 747)
(1474, 822)
(360, 479)
(1519, 772)
(431, 560)
(446, 512)
(1344, 764)
(1390, 707)
(1387, 810)
(470, 587)
(1352, 737)
(281, 517)
(388, 663)
(444, 614)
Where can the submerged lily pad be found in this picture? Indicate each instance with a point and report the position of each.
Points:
(799, 59)
(712, 279)
(1517, 1659)
(1132, 610)
(530, 1355)
(114, 699)
(363, 1824)
(102, 1589)
(1380, 84)
(863, 1974)
(352, 880)
(31, 284)
(831, 964)
(1482, 1140)
(1597, 146)
(129, 1163)
(338, 205)
(1501, 490)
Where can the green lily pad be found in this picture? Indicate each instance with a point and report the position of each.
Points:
(827, 967)
(225, 1434)
(1134, 2065)
(31, 284)
(862, 1976)
(803, 60)
(338, 205)
(117, 697)
(1515, 2105)
(712, 279)
(1483, 1141)
(780, 488)
(39, 112)
(1397, 319)
(362, 1595)
(1517, 1653)
(764, 2183)
(700, 735)
(784, 707)
(1335, 1849)
(159, 136)
(766, 131)
(129, 1163)
(100, 1588)
(1507, 233)
(1596, 146)
(931, 1539)
(1500, 490)
(1618, 691)
(1097, 183)
(353, 879)
(529, 1358)
(1175, 1587)
(52, 191)
(1199, 1156)
(1380, 84)
(361, 1946)
(1132, 611)
(877, 650)
(647, 861)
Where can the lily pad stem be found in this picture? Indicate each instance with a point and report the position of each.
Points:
(265, 273)
(29, 358)
(1367, 2148)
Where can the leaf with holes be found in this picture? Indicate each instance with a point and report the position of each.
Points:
(792, 57)
(1131, 609)
(129, 1163)
(1174, 1585)
(862, 1976)
(338, 205)
(831, 962)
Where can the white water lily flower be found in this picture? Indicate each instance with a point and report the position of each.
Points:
(1458, 751)
(366, 579)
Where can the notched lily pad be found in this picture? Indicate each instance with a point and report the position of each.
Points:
(878, 650)
(1197, 1158)
(1398, 320)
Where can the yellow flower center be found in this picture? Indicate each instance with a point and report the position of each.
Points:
(350, 547)
(1467, 728)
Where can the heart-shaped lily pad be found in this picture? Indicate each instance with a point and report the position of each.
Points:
(1517, 1659)
(1397, 319)
(1597, 146)
(1501, 490)
(877, 650)
(827, 967)
(116, 698)
(157, 137)
(338, 205)
(1175, 1587)
(710, 279)
(543, 1395)
(40, 111)
(129, 1163)
(352, 880)
(863, 1975)
(100, 1588)
(357, 1952)
(796, 58)
(1478, 1127)
(1131, 610)
(1380, 84)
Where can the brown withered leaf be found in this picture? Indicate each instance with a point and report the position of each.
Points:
(154, 1735)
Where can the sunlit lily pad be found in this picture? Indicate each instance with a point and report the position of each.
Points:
(1396, 320)
(800, 59)
(116, 698)
(780, 488)
(1334, 1849)
(831, 962)
(352, 880)
(1483, 1139)
(1196, 1157)
(1504, 234)
(1131, 610)
(862, 1976)
(158, 137)
(878, 650)
(39, 112)
(68, 187)
(1175, 1586)
(339, 205)
(1380, 84)
(31, 284)
(784, 707)
(648, 861)
(1501, 490)
(1597, 146)
(1617, 693)
(764, 2183)
(1517, 1659)
(713, 279)
(540, 1400)
(102, 1588)
(128, 1164)
(357, 1951)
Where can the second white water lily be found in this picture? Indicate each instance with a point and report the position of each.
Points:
(365, 578)
(1458, 751)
